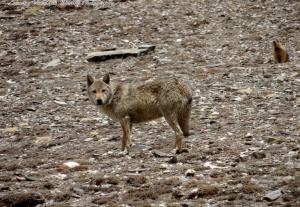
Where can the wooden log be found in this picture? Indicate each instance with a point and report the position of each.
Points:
(119, 53)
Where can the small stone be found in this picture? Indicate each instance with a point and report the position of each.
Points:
(173, 160)
(45, 140)
(71, 164)
(4, 188)
(30, 108)
(270, 140)
(184, 150)
(242, 158)
(246, 90)
(203, 190)
(19, 178)
(78, 190)
(148, 47)
(10, 82)
(258, 155)
(273, 195)
(52, 63)
(190, 173)
(60, 102)
(11, 129)
(164, 166)
(60, 176)
(177, 194)
(2, 53)
(272, 95)
(157, 153)
(31, 178)
(88, 139)
(86, 120)
(94, 133)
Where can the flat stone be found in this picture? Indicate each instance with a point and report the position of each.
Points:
(157, 153)
(273, 195)
(52, 63)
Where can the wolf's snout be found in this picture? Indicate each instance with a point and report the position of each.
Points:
(99, 102)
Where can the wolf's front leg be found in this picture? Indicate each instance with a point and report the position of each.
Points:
(126, 126)
(172, 120)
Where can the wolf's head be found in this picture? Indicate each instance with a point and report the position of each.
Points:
(99, 91)
(277, 45)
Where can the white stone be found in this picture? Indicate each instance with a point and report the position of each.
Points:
(71, 164)
(52, 63)
(190, 172)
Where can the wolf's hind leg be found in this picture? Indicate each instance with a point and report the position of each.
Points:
(184, 119)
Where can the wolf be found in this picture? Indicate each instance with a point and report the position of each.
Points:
(280, 54)
(131, 103)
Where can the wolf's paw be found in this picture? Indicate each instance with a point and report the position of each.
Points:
(190, 133)
(123, 153)
(179, 151)
(130, 144)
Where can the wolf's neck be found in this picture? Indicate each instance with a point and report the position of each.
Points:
(113, 98)
(108, 109)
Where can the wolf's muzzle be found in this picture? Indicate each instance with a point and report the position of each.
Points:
(99, 102)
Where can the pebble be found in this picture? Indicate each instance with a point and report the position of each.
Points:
(190, 173)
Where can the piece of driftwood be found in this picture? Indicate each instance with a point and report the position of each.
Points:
(138, 170)
(7, 17)
(119, 53)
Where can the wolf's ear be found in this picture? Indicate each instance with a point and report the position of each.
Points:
(90, 80)
(106, 78)
(277, 42)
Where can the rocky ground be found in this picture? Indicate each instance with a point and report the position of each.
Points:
(244, 150)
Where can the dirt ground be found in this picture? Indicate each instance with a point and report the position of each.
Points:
(245, 116)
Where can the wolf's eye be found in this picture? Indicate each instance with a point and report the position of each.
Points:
(103, 90)
(94, 91)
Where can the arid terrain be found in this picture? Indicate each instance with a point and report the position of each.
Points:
(245, 146)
